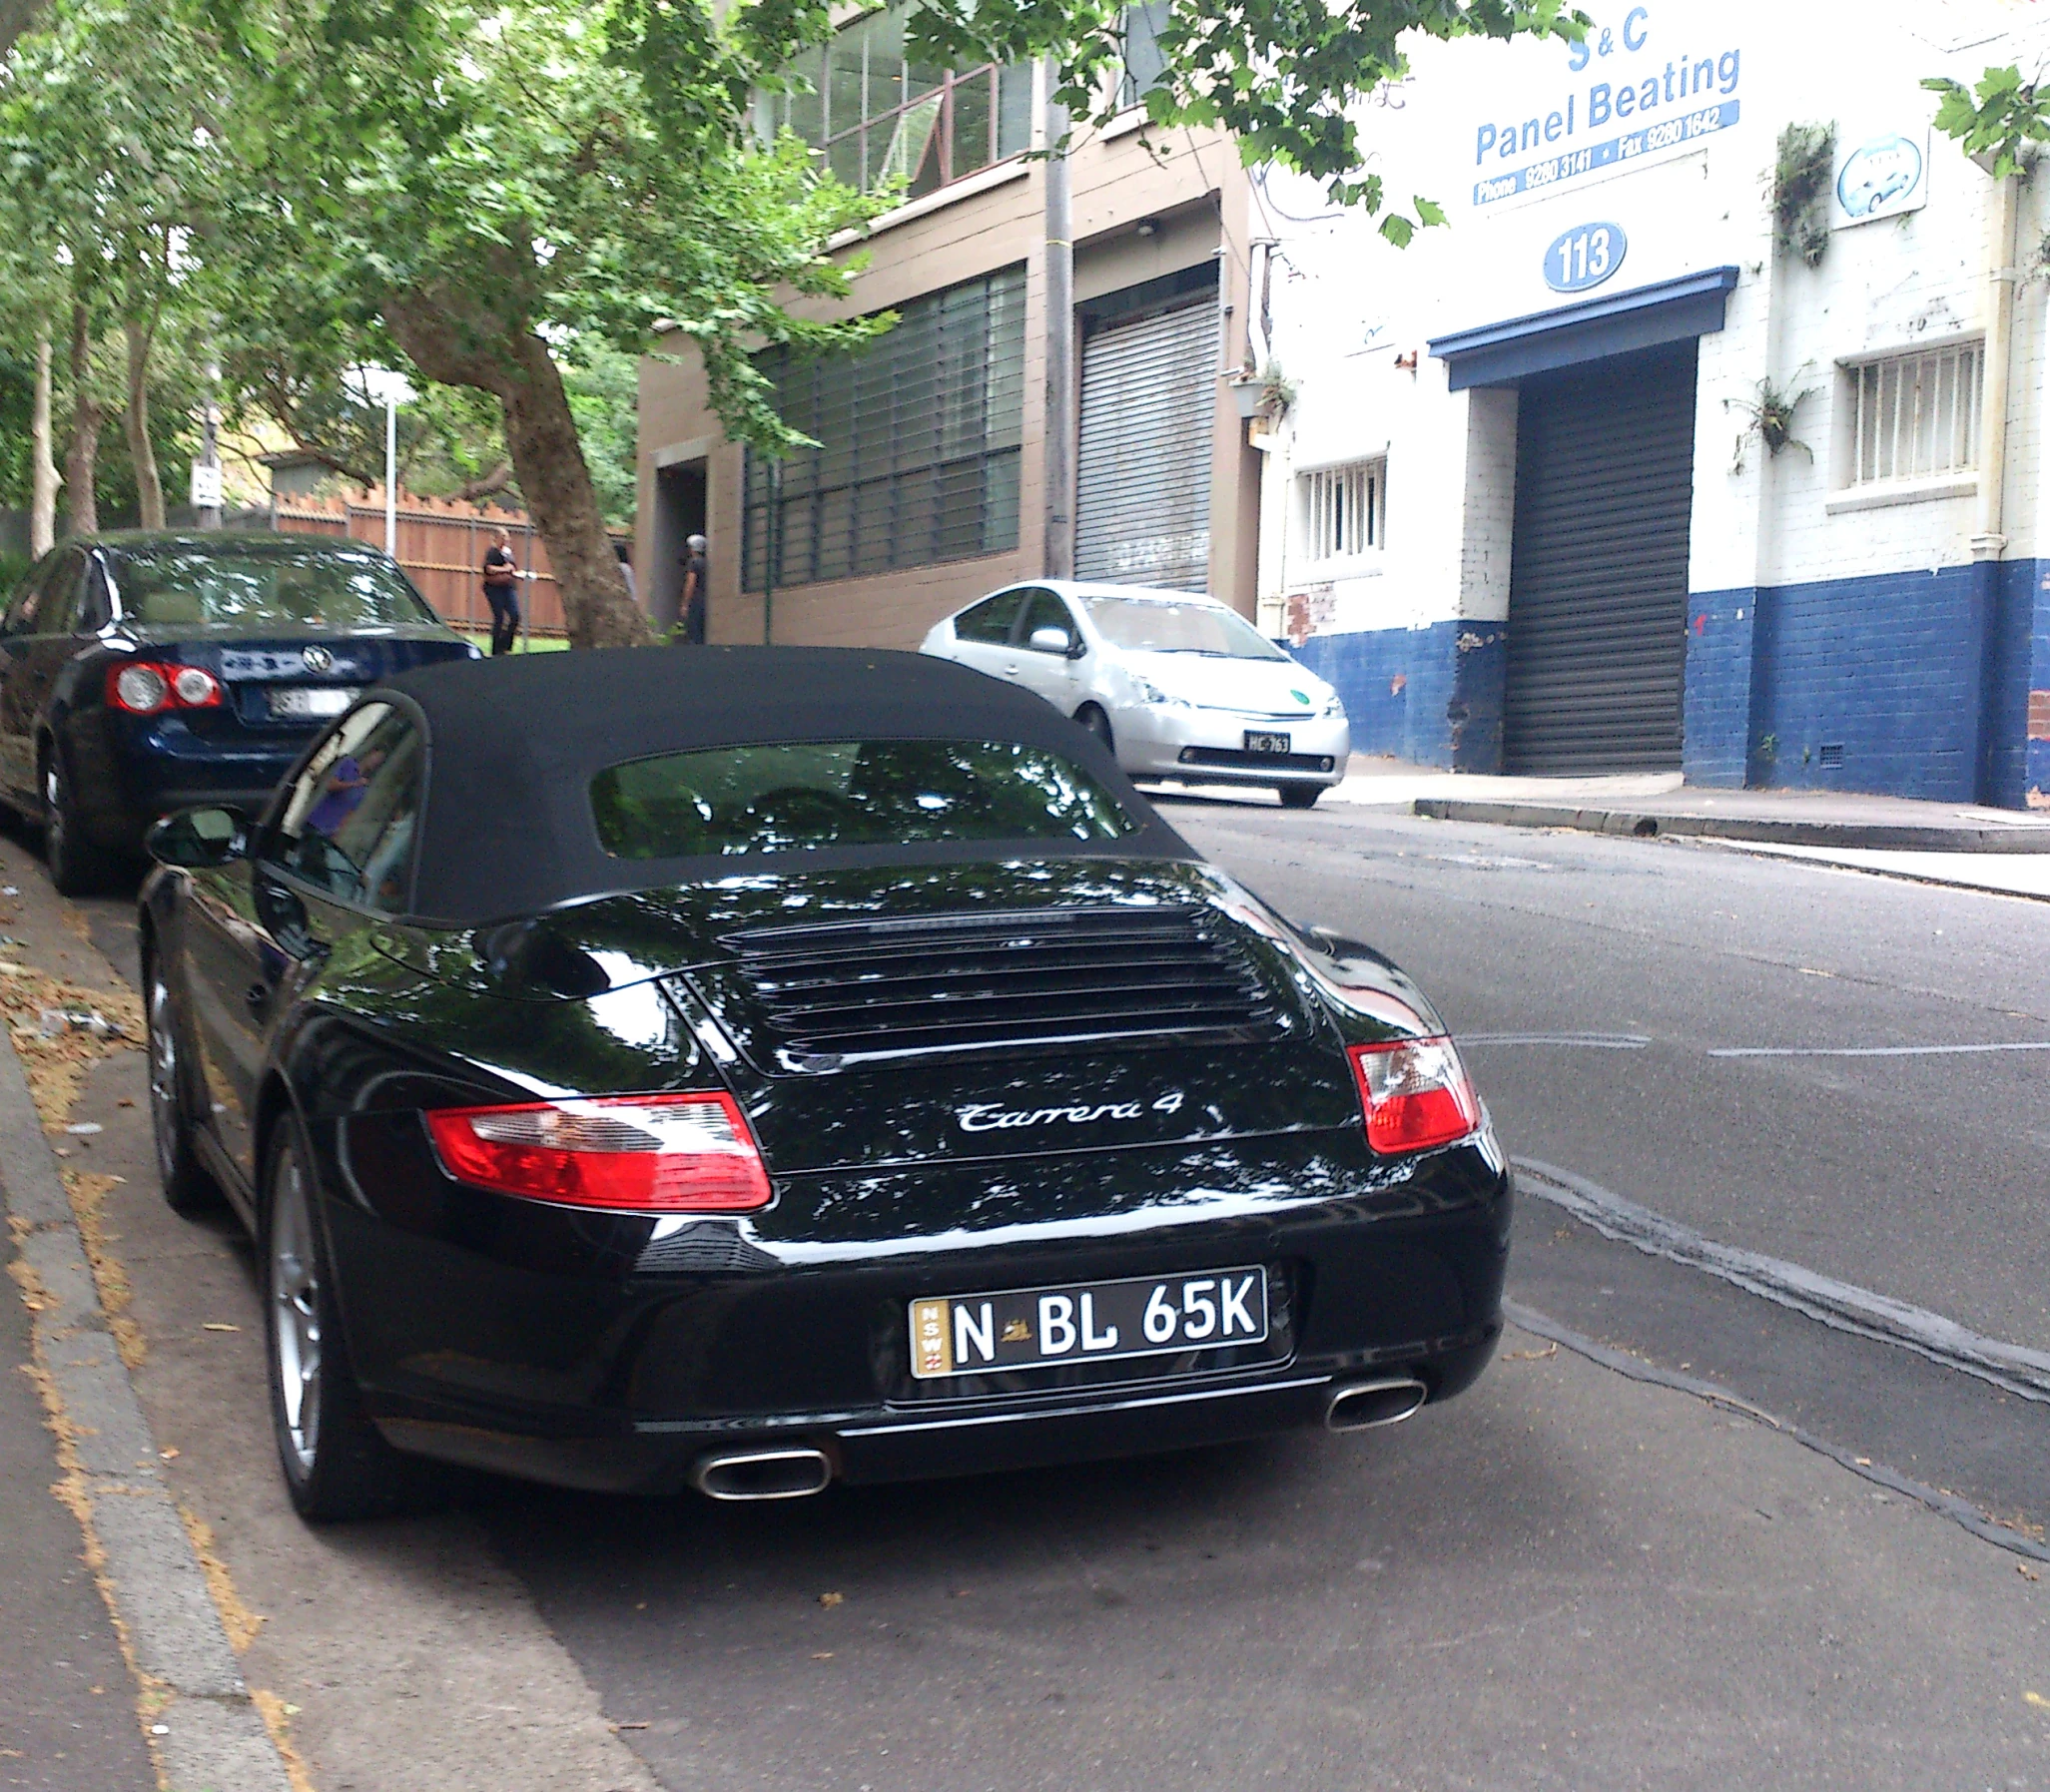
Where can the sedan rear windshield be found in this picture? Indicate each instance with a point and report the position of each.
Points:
(207, 588)
(811, 796)
(1148, 625)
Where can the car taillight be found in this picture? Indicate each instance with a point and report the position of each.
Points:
(142, 687)
(629, 1153)
(1416, 1095)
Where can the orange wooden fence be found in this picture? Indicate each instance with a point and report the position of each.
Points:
(442, 546)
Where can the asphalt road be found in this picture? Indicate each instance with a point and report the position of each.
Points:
(1602, 1568)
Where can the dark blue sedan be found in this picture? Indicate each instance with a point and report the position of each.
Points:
(142, 673)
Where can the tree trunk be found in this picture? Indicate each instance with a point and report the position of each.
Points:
(81, 458)
(450, 340)
(42, 469)
(142, 452)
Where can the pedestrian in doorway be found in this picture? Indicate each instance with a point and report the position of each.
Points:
(501, 591)
(625, 558)
(690, 610)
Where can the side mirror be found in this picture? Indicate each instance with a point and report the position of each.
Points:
(198, 839)
(1078, 649)
(1050, 639)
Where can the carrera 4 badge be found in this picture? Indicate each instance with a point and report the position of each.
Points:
(993, 1116)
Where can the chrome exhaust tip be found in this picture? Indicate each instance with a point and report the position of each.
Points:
(761, 1474)
(1364, 1405)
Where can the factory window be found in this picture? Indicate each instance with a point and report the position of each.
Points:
(1347, 509)
(876, 114)
(1145, 63)
(1916, 416)
(919, 436)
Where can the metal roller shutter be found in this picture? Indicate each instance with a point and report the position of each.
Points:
(1143, 478)
(1605, 460)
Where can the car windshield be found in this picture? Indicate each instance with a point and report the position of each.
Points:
(1157, 625)
(806, 797)
(207, 588)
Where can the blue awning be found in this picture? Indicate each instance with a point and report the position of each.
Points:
(1594, 329)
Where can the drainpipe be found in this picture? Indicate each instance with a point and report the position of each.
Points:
(1059, 436)
(1989, 542)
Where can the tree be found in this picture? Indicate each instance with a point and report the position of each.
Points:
(2000, 124)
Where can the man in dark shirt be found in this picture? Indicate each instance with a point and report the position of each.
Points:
(690, 610)
(501, 592)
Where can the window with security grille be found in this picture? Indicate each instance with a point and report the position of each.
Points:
(1916, 416)
(876, 113)
(1145, 63)
(919, 436)
(1348, 509)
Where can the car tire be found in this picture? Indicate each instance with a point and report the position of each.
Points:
(1091, 717)
(1299, 795)
(188, 1189)
(76, 866)
(337, 1463)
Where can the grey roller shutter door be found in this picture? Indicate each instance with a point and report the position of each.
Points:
(1143, 478)
(1604, 459)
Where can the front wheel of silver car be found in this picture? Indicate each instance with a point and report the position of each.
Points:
(337, 1463)
(1300, 796)
(1098, 724)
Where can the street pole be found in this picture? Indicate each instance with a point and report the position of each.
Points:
(391, 474)
(209, 486)
(1059, 437)
(772, 543)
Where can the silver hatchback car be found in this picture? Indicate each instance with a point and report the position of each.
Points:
(1177, 684)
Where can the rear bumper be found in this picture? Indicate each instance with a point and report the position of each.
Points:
(588, 1351)
(126, 771)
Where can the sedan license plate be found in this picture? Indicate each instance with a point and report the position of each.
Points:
(1103, 1322)
(1266, 743)
(318, 703)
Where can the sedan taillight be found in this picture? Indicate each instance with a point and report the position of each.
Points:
(1416, 1095)
(627, 1153)
(143, 687)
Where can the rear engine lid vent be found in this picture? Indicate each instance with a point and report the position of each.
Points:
(823, 996)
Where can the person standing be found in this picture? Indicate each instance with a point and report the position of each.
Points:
(501, 591)
(690, 610)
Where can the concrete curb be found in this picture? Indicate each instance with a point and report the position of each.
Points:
(208, 1735)
(1648, 823)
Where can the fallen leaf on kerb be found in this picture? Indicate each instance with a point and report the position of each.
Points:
(832, 1598)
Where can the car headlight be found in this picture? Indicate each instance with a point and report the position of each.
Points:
(1152, 692)
(1334, 705)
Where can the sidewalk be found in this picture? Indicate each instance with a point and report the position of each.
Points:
(1651, 803)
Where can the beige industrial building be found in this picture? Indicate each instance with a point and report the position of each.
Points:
(928, 484)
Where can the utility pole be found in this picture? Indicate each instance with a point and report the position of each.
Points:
(391, 472)
(206, 496)
(1061, 427)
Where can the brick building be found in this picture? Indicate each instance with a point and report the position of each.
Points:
(1603, 476)
(928, 488)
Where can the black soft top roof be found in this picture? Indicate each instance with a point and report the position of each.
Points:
(515, 742)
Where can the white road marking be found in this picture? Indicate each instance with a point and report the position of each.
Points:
(1871, 1051)
(1842, 1305)
(1592, 1041)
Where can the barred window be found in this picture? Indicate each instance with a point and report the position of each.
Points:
(1916, 416)
(876, 115)
(918, 440)
(1347, 509)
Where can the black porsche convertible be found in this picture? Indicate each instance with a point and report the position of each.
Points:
(755, 1068)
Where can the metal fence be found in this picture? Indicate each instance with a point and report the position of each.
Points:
(442, 546)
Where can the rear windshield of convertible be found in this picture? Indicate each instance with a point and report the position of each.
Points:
(810, 796)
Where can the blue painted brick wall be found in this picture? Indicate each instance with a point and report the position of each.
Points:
(1397, 685)
(1716, 734)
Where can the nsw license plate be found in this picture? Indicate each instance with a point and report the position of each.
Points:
(1266, 743)
(306, 704)
(1103, 1322)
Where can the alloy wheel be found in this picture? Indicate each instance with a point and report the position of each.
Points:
(165, 1118)
(296, 1301)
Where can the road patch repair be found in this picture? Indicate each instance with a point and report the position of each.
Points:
(204, 1730)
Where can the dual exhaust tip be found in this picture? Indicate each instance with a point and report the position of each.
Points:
(1362, 1406)
(798, 1473)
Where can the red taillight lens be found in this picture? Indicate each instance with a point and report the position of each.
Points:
(628, 1153)
(142, 687)
(1416, 1095)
